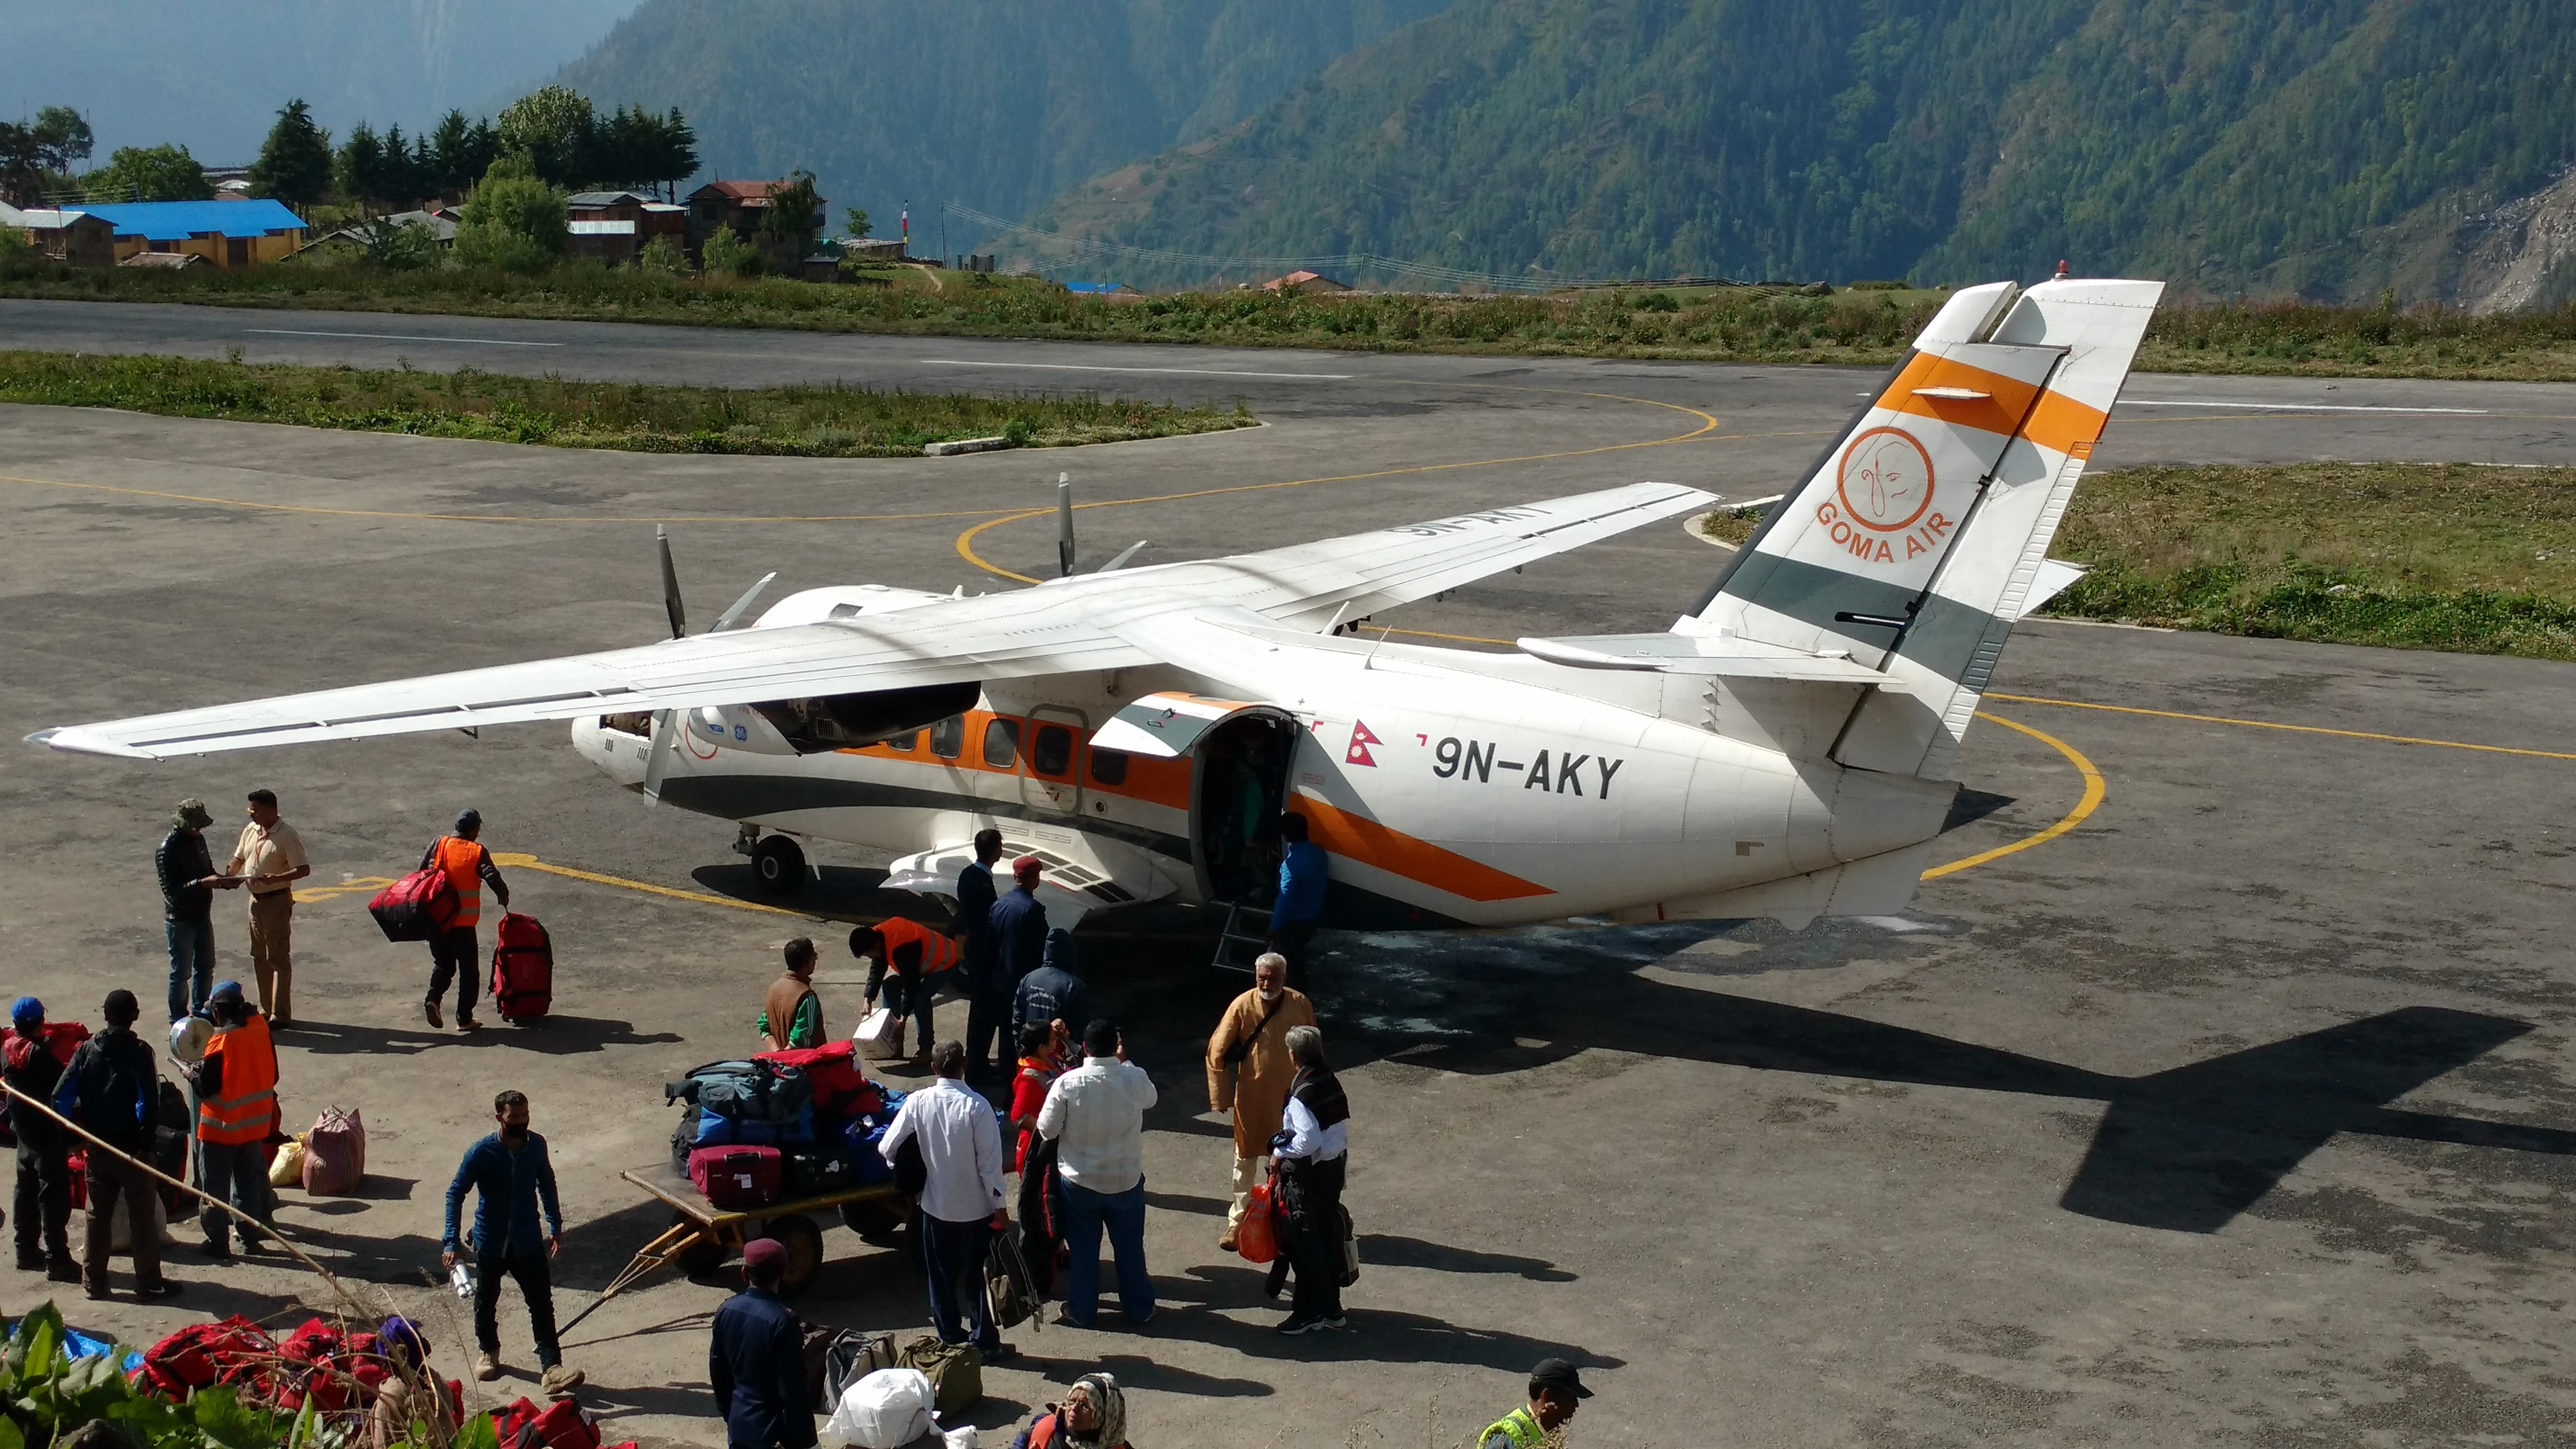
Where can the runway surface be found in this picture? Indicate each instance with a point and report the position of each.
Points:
(2236, 1112)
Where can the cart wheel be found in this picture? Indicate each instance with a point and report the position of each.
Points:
(878, 1223)
(701, 1256)
(802, 1237)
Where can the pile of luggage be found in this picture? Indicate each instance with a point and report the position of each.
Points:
(782, 1124)
(336, 1372)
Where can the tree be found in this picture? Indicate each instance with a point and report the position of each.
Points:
(159, 173)
(458, 153)
(726, 251)
(361, 160)
(294, 163)
(794, 212)
(62, 139)
(514, 220)
(554, 127)
(858, 219)
(380, 172)
(399, 246)
(678, 157)
(33, 152)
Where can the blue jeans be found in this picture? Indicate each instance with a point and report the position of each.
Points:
(192, 965)
(1123, 1214)
(953, 1254)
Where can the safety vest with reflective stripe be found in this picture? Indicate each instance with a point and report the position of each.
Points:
(462, 860)
(938, 953)
(246, 1065)
(1520, 1426)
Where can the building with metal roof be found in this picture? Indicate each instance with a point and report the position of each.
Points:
(225, 233)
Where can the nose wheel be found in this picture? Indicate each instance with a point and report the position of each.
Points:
(778, 863)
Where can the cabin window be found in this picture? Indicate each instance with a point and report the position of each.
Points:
(904, 743)
(1108, 767)
(1002, 743)
(948, 737)
(1051, 753)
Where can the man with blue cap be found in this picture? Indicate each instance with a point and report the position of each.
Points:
(44, 1149)
(453, 953)
(236, 1082)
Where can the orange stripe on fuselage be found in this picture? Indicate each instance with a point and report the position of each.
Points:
(1149, 781)
(1356, 837)
(2059, 423)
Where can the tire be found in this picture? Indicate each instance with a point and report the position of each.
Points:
(778, 863)
(700, 1257)
(878, 1222)
(802, 1237)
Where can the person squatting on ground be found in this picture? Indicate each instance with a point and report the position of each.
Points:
(410, 1395)
(979, 947)
(236, 1090)
(510, 1175)
(454, 951)
(1095, 1114)
(908, 962)
(1092, 1416)
(269, 859)
(188, 886)
(1019, 925)
(44, 1194)
(1554, 1390)
(792, 1014)
(111, 1090)
(961, 1194)
(1303, 874)
(1308, 1163)
(1248, 1071)
(756, 1359)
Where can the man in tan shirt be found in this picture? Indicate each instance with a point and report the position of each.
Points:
(270, 860)
(1248, 1072)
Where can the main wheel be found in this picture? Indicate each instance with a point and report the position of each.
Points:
(802, 1237)
(779, 864)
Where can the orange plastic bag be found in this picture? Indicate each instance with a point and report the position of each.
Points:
(1257, 1236)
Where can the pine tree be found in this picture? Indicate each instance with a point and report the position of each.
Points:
(294, 163)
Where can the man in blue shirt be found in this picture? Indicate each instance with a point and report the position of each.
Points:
(1019, 927)
(987, 1000)
(756, 1359)
(1302, 874)
(510, 1176)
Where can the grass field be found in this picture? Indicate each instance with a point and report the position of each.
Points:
(2474, 559)
(820, 422)
(1854, 326)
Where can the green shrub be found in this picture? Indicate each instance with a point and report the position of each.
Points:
(727, 253)
(662, 254)
(401, 247)
(513, 221)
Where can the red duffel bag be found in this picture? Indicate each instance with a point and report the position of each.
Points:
(523, 969)
(416, 907)
(840, 1088)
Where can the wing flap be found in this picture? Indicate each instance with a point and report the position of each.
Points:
(1693, 654)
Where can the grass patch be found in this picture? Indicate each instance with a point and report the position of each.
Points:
(2414, 556)
(1732, 526)
(814, 422)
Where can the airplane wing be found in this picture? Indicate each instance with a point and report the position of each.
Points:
(1067, 626)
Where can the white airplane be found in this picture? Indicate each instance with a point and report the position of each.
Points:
(1785, 750)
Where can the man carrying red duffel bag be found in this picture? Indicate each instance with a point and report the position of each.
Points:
(454, 952)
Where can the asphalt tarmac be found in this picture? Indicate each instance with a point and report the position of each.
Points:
(2236, 1111)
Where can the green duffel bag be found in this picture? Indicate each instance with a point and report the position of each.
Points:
(955, 1371)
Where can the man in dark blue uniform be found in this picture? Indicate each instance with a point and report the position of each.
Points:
(986, 1003)
(756, 1360)
(1019, 927)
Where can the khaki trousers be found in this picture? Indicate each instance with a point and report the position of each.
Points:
(271, 960)
(1248, 1174)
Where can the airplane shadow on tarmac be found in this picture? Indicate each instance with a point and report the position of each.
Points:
(2185, 1150)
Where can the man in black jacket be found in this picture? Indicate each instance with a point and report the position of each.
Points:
(44, 1149)
(188, 886)
(112, 1091)
(988, 1000)
(756, 1359)
(1052, 996)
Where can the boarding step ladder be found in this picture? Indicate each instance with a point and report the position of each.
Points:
(1246, 925)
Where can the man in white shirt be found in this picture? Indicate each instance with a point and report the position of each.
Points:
(270, 859)
(1095, 1114)
(960, 1143)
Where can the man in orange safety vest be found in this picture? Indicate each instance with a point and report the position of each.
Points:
(236, 1090)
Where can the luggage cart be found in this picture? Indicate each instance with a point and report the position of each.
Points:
(703, 1235)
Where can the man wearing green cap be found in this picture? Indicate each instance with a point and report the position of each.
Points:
(188, 886)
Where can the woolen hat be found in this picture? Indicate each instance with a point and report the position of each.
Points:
(765, 1253)
(192, 815)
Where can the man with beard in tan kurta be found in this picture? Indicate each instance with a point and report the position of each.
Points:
(1248, 1072)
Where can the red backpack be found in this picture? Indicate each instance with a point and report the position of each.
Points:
(561, 1425)
(523, 969)
(204, 1354)
(840, 1088)
(416, 907)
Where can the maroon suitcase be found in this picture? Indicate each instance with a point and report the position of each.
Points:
(523, 969)
(416, 907)
(735, 1178)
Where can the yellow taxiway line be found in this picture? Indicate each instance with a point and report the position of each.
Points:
(2264, 724)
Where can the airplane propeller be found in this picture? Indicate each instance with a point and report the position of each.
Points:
(666, 722)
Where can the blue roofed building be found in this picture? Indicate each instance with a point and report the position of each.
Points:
(225, 233)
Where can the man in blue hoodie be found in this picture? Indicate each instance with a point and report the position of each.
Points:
(511, 1177)
(1303, 874)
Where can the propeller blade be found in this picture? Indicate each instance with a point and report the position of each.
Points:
(1120, 562)
(741, 606)
(1064, 525)
(670, 584)
(656, 757)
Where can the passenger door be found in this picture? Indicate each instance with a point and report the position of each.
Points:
(1050, 760)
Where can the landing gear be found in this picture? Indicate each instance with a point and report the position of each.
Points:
(778, 863)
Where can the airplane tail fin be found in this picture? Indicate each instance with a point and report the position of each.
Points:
(1921, 535)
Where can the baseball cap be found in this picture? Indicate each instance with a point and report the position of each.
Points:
(468, 819)
(1556, 1373)
(225, 991)
(28, 1012)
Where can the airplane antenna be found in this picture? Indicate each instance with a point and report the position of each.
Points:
(1064, 525)
(1383, 631)
(670, 583)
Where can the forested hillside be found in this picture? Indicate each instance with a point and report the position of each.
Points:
(2327, 147)
(998, 104)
